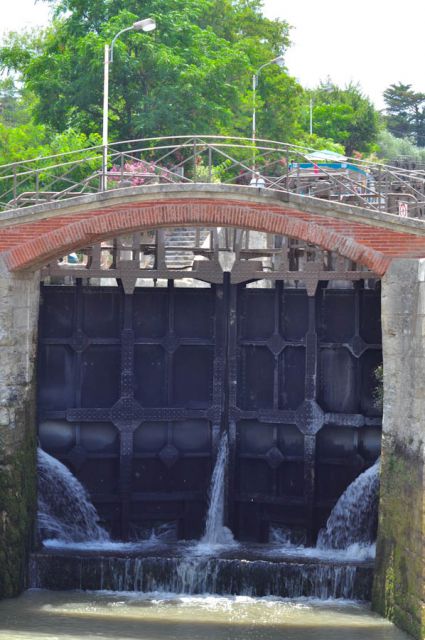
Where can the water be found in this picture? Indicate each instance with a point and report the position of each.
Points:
(82, 556)
(137, 576)
(246, 572)
(354, 517)
(46, 615)
(215, 531)
(157, 591)
(64, 508)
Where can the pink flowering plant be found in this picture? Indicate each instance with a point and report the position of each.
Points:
(139, 172)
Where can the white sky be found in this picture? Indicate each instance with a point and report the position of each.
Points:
(373, 42)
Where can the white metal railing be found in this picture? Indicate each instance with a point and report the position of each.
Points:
(204, 159)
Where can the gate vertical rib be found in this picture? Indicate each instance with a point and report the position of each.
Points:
(78, 310)
(218, 371)
(169, 351)
(309, 434)
(168, 343)
(277, 309)
(127, 426)
(356, 339)
(278, 355)
(229, 391)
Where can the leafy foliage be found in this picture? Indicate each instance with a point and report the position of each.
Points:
(22, 139)
(393, 149)
(192, 74)
(405, 112)
(345, 116)
(378, 392)
(314, 141)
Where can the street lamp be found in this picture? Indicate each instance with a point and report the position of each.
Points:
(148, 24)
(279, 60)
(311, 116)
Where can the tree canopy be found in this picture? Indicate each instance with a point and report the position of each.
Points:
(344, 115)
(405, 112)
(393, 149)
(22, 138)
(192, 74)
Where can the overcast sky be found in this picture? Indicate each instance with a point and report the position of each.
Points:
(365, 41)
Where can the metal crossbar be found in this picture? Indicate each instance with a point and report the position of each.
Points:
(204, 159)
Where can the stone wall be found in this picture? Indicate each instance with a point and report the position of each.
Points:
(399, 577)
(19, 296)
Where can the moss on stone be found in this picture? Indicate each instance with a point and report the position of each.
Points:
(18, 495)
(398, 587)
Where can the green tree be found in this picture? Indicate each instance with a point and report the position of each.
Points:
(405, 112)
(23, 139)
(193, 74)
(279, 106)
(314, 141)
(392, 149)
(345, 116)
(9, 102)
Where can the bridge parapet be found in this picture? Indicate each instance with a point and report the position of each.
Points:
(32, 236)
(266, 165)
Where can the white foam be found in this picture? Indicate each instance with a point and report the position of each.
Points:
(355, 552)
(101, 545)
(212, 601)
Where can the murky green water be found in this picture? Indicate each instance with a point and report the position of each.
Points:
(48, 615)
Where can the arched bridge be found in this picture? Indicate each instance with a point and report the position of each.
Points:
(32, 236)
(365, 212)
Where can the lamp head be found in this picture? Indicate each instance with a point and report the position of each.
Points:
(148, 24)
(280, 61)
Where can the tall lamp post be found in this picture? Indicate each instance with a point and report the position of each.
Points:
(148, 24)
(311, 116)
(279, 60)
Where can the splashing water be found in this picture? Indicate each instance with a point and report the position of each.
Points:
(67, 515)
(215, 531)
(64, 508)
(354, 517)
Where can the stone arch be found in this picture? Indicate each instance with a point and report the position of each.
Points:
(36, 243)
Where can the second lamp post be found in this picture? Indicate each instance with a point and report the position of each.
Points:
(280, 62)
(148, 24)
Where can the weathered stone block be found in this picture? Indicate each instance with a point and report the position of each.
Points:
(18, 481)
(4, 417)
(398, 591)
(18, 478)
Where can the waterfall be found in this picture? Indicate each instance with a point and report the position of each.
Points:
(64, 508)
(216, 564)
(215, 531)
(353, 519)
(255, 578)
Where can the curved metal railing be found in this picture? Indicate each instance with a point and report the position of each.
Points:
(265, 164)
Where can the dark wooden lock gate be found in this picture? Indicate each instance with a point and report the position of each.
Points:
(135, 388)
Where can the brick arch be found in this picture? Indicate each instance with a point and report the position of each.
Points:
(30, 245)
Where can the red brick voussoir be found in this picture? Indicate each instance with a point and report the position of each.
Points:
(31, 244)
